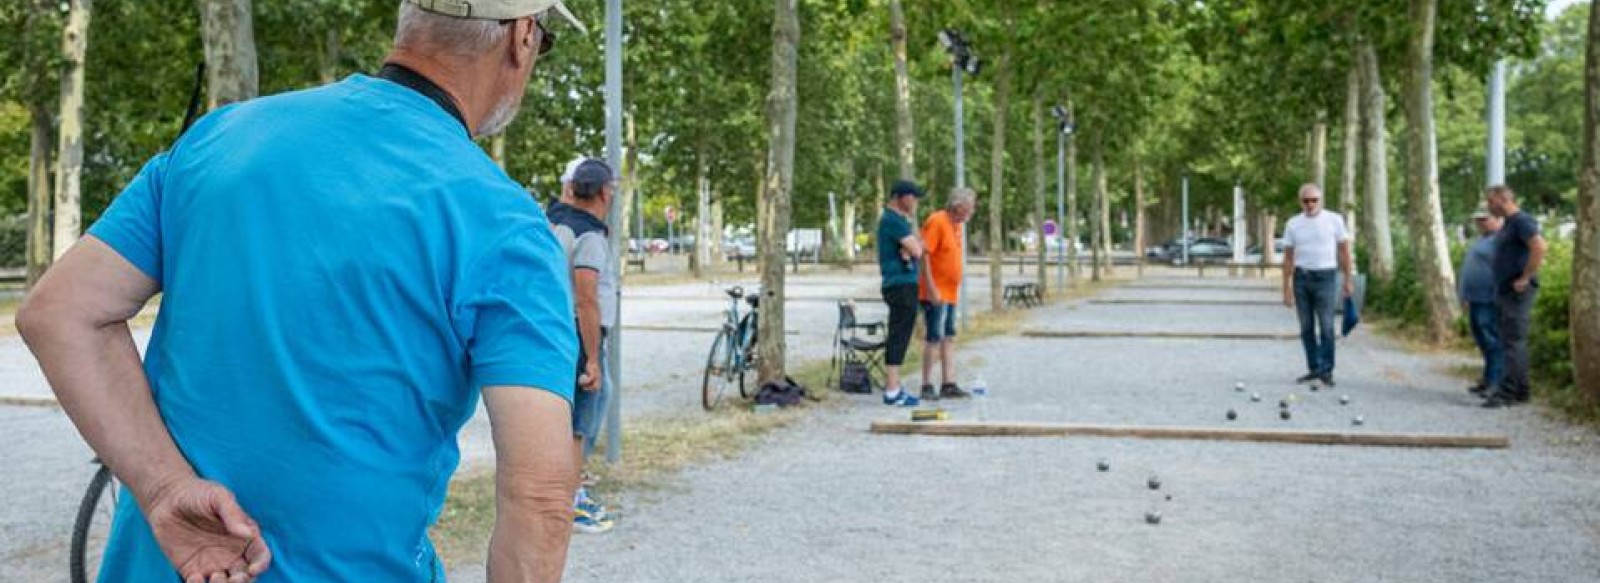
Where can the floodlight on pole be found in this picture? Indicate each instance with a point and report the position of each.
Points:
(961, 61)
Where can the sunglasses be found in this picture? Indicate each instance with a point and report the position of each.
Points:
(547, 39)
(1310, 200)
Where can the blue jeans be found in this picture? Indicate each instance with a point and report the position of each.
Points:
(589, 407)
(1316, 292)
(939, 320)
(1485, 320)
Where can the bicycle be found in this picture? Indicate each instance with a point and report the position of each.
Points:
(733, 351)
(93, 524)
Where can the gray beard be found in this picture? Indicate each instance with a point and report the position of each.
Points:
(500, 117)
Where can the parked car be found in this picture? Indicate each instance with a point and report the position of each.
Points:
(1203, 249)
(740, 248)
(1253, 254)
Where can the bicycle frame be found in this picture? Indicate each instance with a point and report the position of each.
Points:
(742, 329)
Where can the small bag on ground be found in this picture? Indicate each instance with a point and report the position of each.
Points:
(783, 395)
(856, 378)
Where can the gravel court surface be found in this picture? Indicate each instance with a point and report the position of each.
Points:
(43, 481)
(47, 464)
(828, 501)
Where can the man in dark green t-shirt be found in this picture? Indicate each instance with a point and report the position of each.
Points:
(899, 254)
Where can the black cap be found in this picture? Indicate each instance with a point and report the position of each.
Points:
(906, 188)
(589, 177)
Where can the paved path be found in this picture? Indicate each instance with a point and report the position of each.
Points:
(827, 501)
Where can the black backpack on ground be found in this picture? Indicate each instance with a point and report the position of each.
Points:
(783, 395)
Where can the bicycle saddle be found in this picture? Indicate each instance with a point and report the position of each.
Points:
(734, 292)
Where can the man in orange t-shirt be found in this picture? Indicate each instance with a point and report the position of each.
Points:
(941, 238)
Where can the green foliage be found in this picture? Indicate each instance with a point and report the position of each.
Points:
(1549, 336)
(1401, 298)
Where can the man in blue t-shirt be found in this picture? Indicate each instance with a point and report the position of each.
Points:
(343, 273)
(1518, 253)
(899, 255)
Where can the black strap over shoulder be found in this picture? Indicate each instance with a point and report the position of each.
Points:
(416, 82)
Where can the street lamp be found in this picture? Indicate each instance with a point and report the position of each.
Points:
(962, 61)
(1065, 128)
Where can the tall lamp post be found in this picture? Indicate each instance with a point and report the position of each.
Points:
(1065, 128)
(963, 62)
(613, 108)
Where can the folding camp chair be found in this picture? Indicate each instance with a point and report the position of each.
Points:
(857, 342)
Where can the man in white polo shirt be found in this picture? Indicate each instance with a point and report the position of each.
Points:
(1316, 248)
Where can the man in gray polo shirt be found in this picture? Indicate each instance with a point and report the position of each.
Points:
(1477, 295)
(1316, 249)
(578, 220)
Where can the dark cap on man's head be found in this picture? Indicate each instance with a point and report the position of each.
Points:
(589, 177)
(906, 188)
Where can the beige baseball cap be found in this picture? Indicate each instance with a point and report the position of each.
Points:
(498, 9)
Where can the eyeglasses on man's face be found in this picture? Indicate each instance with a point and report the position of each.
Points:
(547, 39)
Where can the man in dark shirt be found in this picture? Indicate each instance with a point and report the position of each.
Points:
(1519, 250)
(1478, 295)
(899, 255)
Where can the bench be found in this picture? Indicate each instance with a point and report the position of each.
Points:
(636, 262)
(1026, 294)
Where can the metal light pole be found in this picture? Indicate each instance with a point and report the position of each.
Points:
(961, 182)
(1240, 234)
(1497, 125)
(1064, 128)
(1183, 233)
(1061, 210)
(962, 62)
(615, 220)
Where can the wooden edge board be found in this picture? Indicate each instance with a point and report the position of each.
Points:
(1177, 335)
(29, 402)
(1001, 429)
(671, 328)
(1180, 302)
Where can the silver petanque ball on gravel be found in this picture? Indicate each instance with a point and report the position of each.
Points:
(1232, 415)
(1238, 387)
(1284, 415)
(1103, 465)
(1152, 517)
(1255, 397)
(1358, 421)
(1154, 482)
(1344, 399)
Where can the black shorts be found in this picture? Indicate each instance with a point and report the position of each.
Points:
(903, 308)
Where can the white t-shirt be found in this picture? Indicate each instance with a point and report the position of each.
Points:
(1315, 240)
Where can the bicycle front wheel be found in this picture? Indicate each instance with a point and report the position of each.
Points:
(719, 370)
(93, 526)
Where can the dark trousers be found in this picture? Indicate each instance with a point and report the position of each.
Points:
(903, 308)
(1515, 311)
(1484, 318)
(1316, 292)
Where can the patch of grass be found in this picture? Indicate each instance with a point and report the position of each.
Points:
(657, 447)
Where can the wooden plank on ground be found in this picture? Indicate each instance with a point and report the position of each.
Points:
(1000, 429)
(29, 401)
(1166, 335)
(681, 328)
(1203, 287)
(1184, 302)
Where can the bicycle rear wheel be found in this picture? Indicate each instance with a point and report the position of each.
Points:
(93, 525)
(719, 370)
